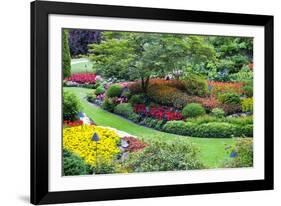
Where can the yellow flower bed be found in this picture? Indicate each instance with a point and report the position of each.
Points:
(78, 140)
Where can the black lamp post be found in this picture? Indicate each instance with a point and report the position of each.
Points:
(96, 138)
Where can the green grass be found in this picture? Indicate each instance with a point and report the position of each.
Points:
(82, 65)
(212, 150)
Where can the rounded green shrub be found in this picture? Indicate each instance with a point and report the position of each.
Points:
(71, 106)
(99, 90)
(137, 99)
(193, 110)
(124, 109)
(229, 98)
(115, 90)
(218, 112)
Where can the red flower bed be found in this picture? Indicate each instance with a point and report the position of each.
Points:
(158, 112)
(134, 144)
(223, 87)
(72, 124)
(83, 78)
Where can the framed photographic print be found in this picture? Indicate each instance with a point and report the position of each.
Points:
(131, 102)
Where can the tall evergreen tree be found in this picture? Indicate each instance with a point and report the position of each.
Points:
(66, 60)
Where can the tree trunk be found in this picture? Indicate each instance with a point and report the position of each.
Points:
(144, 84)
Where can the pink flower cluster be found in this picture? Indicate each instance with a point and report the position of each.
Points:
(83, 78)
(120, 100)
(100, 96)
(158, 112)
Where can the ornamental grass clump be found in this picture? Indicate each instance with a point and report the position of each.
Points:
(77, 140)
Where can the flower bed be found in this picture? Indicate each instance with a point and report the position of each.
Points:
(68, 123)
(82, 78)
(78, 141)
(161, 113)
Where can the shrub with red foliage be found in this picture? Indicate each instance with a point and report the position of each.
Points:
(208, 103)
(83, 78)
(135, 87)
(134, 144)
(178, 84)
(224, 87)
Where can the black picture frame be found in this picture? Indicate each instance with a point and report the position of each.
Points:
(39, 102)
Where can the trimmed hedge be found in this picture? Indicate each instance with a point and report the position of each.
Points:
(210, 129)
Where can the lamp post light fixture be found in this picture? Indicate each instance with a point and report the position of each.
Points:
(96, 138)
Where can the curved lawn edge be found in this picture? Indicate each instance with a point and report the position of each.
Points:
(212, 150)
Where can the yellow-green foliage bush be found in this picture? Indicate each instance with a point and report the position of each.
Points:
(247, 104)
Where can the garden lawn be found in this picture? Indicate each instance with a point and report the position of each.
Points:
(81, 65)
(212, 150)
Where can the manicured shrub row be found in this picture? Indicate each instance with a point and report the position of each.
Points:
(211, 129)
(152, 123)
(164, 156)
(233, 120)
